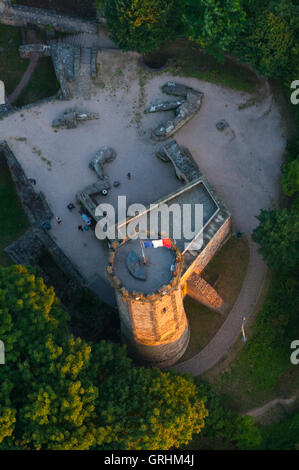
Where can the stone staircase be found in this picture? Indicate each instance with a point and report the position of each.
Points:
(74, 58)
(84, 51)
(213, 227)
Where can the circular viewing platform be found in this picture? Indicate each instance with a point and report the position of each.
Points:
(159, 268)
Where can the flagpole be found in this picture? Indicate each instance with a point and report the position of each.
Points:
(142, 249)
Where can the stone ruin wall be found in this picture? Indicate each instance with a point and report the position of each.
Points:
(22, 16)
(209, 251)
(23, 250)
(203, 292)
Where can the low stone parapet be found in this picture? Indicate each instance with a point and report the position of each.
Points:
(26, 50)
(34, 204)
(19, 15)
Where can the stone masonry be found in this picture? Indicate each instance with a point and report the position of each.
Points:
(201, 291)
(35, 204)
(154, 326)
(185, 109)
(182, 160)
(29, 245)
(19, 15)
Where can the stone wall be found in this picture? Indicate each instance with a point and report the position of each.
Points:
(19, 15)
(163, 356)
(210, 250)
(27, 248)
(63, 62)
(8, 110)
(63, 58)
(34, 204)
(27, 49)
(201, 291)
(60, 258)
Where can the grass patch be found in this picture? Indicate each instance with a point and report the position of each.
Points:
(13, 221)
(43, 83)
(226, 272)
(12, 67)
(263, 371)
(188, 60)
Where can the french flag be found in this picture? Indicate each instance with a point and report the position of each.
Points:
(166, 242)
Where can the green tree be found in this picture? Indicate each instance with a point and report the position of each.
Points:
(7, 413)
(223, 426)
(170, 414)
(270, 44)
(45, 371)
(290, 178)
(290, 171)
(278, 237)
(268, 41)
(142, 25)
(282, 435)
(214, 24)
(60, 392)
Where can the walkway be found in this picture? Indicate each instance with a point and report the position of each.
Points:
(285, 403)
(231, 328)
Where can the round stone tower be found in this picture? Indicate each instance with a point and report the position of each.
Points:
(150, 300)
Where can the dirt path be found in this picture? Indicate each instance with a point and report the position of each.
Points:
(284, 402)
(34, 58)
(231, 328)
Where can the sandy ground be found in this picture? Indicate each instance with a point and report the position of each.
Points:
(243, 162)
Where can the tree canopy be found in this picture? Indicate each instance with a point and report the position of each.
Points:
(214, 25)
(278, 237)
(143, 25)
(290, 170)
(170, 414)
(60, 392)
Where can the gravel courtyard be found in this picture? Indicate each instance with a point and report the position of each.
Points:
(242, 162)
